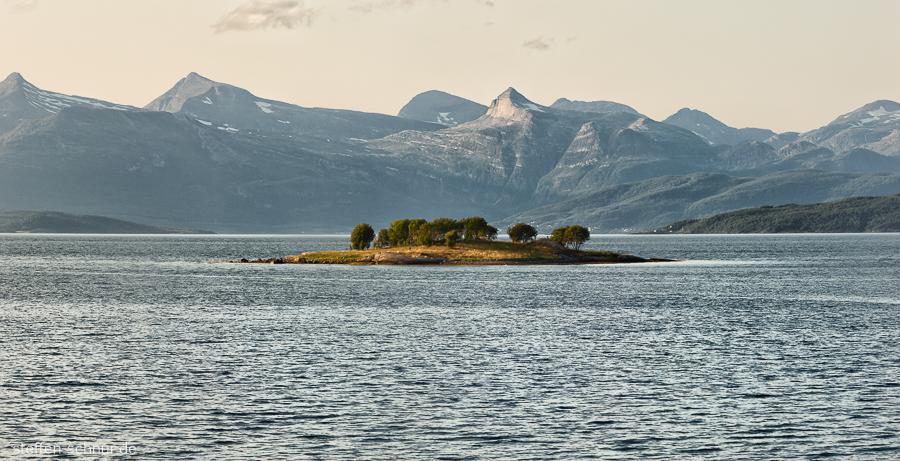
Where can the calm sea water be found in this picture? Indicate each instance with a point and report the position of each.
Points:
(758, 347)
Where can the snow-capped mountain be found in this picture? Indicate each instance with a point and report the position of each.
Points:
(444, 108)
(593, 106)
(875, 126)
(714, 131)
(233, 109)
(21, 101)
(214, 156)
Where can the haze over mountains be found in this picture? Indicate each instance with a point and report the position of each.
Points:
(213, 156)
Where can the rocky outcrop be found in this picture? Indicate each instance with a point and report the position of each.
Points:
(387, 257)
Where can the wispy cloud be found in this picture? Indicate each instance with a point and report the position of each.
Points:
(266, 14)
(380, 5)
(538, 44)
(369, 6)
(22, 5)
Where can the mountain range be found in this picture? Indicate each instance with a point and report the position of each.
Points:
(214, 156)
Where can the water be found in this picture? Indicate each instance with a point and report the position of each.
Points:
(759, 347)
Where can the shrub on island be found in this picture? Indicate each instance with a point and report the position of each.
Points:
(362, 237)
(571, 237)
(521, 232)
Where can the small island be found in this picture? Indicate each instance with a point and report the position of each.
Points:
(466, 242)
(54, 222)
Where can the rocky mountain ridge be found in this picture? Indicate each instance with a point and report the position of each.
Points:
(211, 155)
(714, 131)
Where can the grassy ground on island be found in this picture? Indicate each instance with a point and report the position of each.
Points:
(462, 253)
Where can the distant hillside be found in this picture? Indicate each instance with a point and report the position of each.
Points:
(855, 214)
(65, 223)
(654, 202)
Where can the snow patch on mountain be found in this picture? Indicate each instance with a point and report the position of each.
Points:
(264, 106)
(533, 107)
(876, 115)
(54, 102)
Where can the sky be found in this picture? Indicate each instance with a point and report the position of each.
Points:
(785, 65)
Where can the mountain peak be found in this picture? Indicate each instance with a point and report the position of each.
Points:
(444, 108)
(512, 105)
(194, 78)
(593, 106)
(713, 131)
(11, 84)
(871, 115)
(885, 104)
(171, 101)
(14, 77)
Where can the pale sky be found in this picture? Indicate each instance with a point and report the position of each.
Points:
(785, 65)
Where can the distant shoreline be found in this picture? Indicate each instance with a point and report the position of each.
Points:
(55, 222)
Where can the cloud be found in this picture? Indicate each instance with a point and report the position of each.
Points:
(22, 5)
(370, 6)
(538, 44)
(265, 14)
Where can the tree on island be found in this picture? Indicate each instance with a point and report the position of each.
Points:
(521, 232)
(451, 237)
(476, 228)
(421, 232)
(572, 236)
(382, 240)
(362, 236)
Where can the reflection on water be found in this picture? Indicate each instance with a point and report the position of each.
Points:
(759, 347)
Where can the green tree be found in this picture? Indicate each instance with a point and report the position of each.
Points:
(472, 226)
(414, 226)
(572, 236)
(426, 234)
(476, 228)
(451, 237)
(362, 237)
(382, 240)
(488, 233)
(576, 236)
(444, 225)
(521, 232)
(559, 236)
(399, 232)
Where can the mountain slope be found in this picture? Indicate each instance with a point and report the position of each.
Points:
(443, 108)
(714, 131)
(594, 106)
(875, 126)
(656, 202)
(233, 109)
(520, 153)
(20, 101)
(855, 214)
(169, 170)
